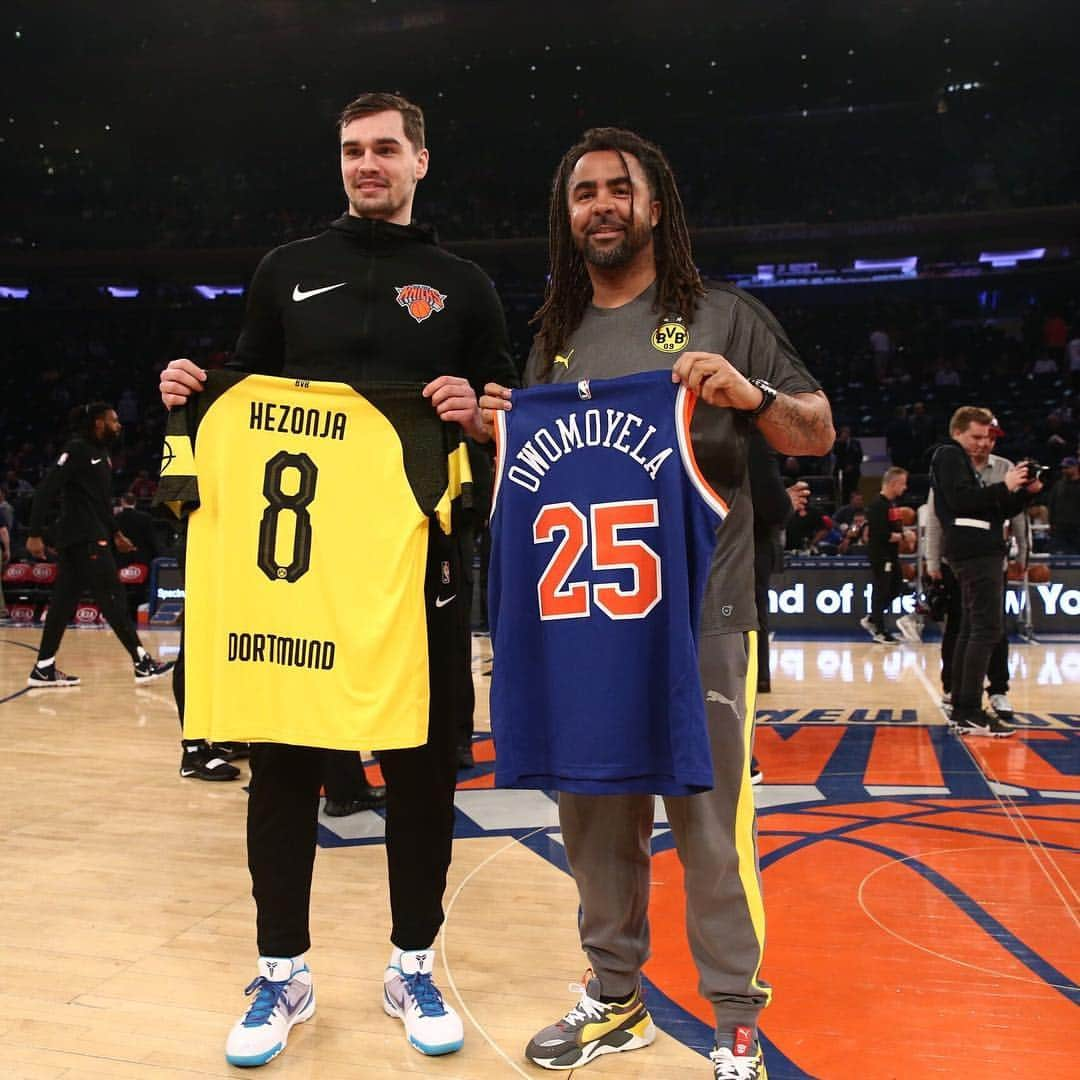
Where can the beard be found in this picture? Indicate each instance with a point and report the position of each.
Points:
(636, 236)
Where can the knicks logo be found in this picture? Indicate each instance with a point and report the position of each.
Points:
(420, 301)
(670, 337)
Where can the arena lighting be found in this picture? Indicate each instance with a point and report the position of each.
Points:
(765, 273)
(13, 292)
(212, 292)
(1002, 259)
(905, 266)
(122, 292)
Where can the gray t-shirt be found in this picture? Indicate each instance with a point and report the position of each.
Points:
(635, 337)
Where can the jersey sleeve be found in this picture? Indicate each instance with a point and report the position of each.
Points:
(178, 488)
(48, 490)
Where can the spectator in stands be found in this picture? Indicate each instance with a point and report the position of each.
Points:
(806, 528)
(1044, 365)
(848, 459)
(1064, 506)
(855, 537)
(847, 513)
(882, 348)
(1055, 440)
(7, 512)
(1055, 335)
(883, 542)
(143, 487)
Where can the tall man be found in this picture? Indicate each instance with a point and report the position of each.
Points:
(84, 535)
(972, 515)
(370, 299)
(991, 469)
(886, 532)
(624, 296)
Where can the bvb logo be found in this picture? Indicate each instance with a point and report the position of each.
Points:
(670, 337)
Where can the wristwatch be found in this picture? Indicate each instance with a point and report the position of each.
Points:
(768, 396)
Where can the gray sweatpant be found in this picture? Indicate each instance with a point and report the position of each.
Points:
(607, 841)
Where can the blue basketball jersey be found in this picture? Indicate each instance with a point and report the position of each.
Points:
(602, 531)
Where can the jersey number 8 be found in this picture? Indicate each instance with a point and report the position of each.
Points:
(298, 502)
(562, 599)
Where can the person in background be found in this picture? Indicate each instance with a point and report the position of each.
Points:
(1063, 504)
(84, 535)
(885, 534)
(848, 458)
(972, 515)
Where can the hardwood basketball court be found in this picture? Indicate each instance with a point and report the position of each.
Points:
(922, 892)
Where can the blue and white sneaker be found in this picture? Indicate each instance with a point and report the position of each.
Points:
(410, 995)
(283, 996)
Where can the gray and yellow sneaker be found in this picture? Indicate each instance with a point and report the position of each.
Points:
(591, 1028)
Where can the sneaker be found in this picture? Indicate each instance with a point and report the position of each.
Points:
(50, 677)
(909, 628)
(756, 775)
(373, 798)
(147, 668)
(1001, 705)
(743, 1061)
(883, 637)
(868, 625)
(203, 764)
(283, 996)
(231, 751)
(591, 1028)
(981, 723)
(410, 995)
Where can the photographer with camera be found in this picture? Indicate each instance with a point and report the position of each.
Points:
(991, 468)
(972, 515)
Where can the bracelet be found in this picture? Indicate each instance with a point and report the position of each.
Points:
(768, 397)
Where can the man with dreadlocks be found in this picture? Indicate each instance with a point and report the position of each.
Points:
(623, 297)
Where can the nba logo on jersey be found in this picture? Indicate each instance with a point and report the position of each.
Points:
(444, 572)
(603, 528)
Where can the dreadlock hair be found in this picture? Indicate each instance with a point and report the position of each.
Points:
(568, 291)
(83, 417)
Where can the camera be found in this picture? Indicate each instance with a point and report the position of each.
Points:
(1035, 471)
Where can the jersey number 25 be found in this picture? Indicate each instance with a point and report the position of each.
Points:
(563, 599)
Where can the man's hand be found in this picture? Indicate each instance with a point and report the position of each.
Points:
(495, 398)
(35, 547)
(799, 494)
(455, 402)
(179, 380)
(123, 544)
(715, 381)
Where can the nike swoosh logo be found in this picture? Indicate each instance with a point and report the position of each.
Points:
(299, 294)
(440, 602)
(96, 460)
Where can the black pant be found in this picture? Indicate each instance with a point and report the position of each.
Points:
(283, 806)
(997, 671)
(87, 568)
(982, 621)
(888, 583)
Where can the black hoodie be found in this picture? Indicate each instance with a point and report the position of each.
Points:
(368, 301)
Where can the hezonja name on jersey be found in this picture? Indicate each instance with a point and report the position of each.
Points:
(615, 431)
(277, 649)
(297, 420)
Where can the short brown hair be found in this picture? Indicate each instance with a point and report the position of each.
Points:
(893, 472)
(967, 415)
(412, 118)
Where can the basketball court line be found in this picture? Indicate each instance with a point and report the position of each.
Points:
(1015, 816)
(933, 952)
(446, 951)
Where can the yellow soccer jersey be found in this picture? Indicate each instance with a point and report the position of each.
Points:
(309, 503)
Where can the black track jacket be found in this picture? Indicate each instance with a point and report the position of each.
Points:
(370, 301)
